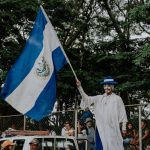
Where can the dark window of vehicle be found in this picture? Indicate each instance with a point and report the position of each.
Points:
(19, 144)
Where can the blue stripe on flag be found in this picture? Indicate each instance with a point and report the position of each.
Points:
(27, 59)
(45, 102)
(98, 145)
(58, 58)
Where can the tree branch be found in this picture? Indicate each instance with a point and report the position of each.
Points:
(144, 29)
(118, 30)
(83, 26)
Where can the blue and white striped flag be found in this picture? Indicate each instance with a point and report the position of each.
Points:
(30, 86)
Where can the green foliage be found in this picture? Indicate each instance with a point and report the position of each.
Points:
(143, 55)
(15, 24)
(140, 13)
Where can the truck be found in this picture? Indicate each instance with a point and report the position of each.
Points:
(47, 142)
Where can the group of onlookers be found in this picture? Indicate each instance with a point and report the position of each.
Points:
(9, 145)
(85, 130)
(131, 137)
(86, 134)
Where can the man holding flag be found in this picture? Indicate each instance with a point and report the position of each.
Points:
(30, 86)
(109, 113)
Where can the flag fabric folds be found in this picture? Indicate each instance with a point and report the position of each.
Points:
(30, 86)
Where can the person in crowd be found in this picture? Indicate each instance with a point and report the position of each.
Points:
(8, 145)
(68, 129)
(145, 134)
(51, 132)
(12, 128)
(82, 134)
(109, 113)
(145, 137)
(90, 134)
(35, 144)
(7, 133)
(86, 114)
(82, 129)
(129, 135)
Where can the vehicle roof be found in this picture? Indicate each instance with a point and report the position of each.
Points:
(36, 136)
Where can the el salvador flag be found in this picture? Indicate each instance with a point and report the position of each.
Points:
(30, 86)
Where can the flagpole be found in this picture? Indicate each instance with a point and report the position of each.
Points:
(60, 44)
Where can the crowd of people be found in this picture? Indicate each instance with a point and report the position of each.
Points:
(86, 133)
(86, 130)
(131, 137)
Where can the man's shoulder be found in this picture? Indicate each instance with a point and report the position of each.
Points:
(115, 95)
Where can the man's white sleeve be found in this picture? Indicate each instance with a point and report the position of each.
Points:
(86, 100)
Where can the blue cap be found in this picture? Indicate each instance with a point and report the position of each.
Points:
(109, 80)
